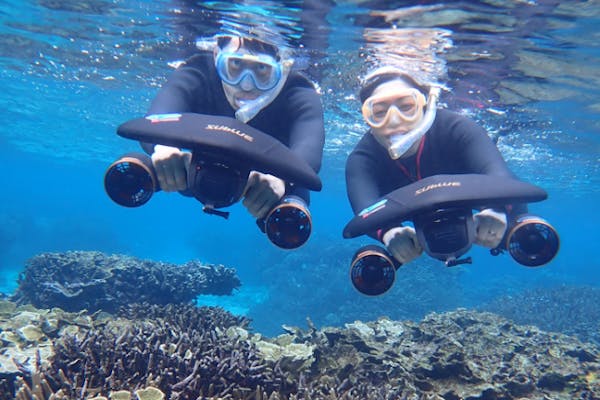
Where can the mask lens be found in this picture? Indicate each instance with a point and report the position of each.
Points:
(379, 111)
(263, 70)
(407, 104)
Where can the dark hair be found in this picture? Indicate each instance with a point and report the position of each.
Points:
(370, 85)
(254, 45)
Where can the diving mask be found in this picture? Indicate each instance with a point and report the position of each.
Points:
(406, 104)
(263, 70)
(398, 143)
(249, 108)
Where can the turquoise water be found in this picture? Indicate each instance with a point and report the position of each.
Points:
(70, 74)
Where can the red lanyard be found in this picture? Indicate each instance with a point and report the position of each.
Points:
(405, 170)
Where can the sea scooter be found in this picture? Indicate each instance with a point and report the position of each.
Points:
(440, 208)
(224, 151)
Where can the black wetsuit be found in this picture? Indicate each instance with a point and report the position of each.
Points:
(453, 145)
(295, 117)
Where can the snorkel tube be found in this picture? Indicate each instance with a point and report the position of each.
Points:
(249, 109)
(400, 144)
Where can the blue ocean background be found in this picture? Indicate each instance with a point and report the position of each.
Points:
(72, 72)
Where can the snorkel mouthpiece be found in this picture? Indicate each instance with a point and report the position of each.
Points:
(400, 144)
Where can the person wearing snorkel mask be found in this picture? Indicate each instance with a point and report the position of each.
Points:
(410, 139)
(253, 81)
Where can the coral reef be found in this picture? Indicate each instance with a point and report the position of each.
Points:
(454, 355)
(184, 352)
(572, 310)
(26, 338)
(94, 281)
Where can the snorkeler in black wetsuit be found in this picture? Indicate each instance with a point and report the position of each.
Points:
(408, 141)
(252, 81)
(453, 145)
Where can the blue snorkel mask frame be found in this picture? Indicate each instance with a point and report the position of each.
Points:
(224, 61)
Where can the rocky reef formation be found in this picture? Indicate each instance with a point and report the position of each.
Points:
(457, 355)
(573, 310)
(79, 280)
(184, 352)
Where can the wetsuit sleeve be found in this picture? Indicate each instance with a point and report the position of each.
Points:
(307, 132)
(177, 95)
(361, 181)
(363, 178)
(480, 154)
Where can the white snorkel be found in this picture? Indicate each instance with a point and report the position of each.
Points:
(398, 145)
(249, 109)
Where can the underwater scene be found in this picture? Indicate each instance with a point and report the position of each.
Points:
(183, 298)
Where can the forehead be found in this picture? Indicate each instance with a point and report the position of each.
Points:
(239, 45)
(392, 86)
(234, 43)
